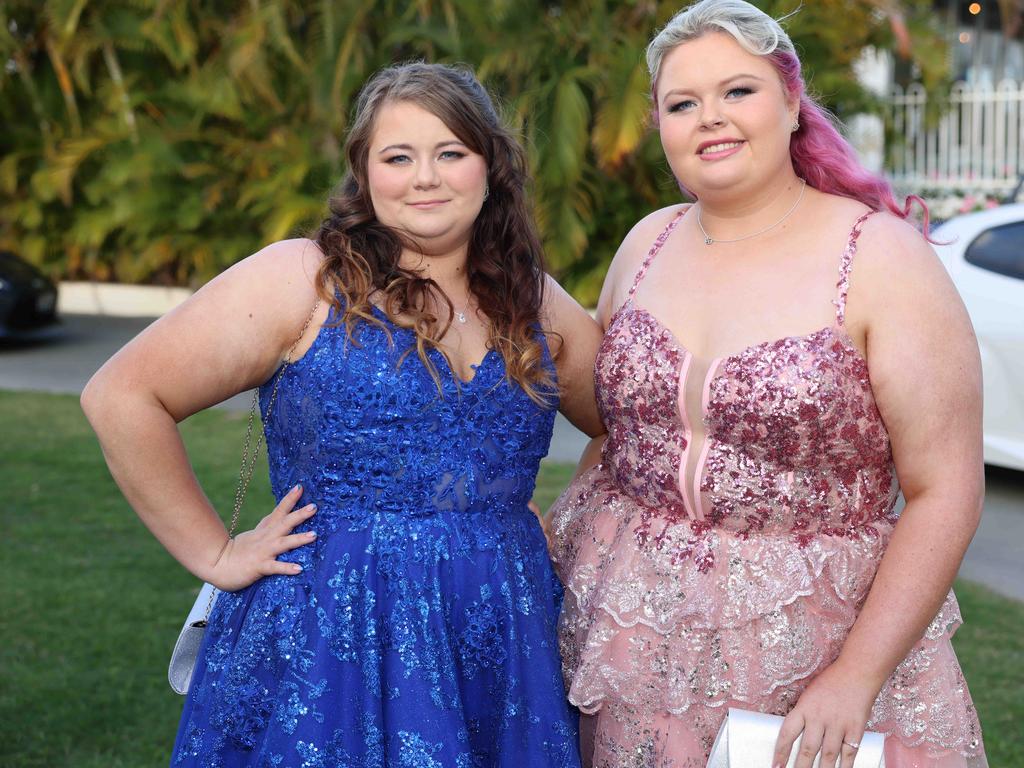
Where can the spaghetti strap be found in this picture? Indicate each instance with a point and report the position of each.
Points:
(843, 286)
(655, 247)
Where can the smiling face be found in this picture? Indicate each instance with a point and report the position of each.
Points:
(724, 117)
(423, 181)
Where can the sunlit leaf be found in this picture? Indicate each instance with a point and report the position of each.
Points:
(622, 118)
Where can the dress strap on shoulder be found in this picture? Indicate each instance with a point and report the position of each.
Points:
(843, 286)
(655, 247)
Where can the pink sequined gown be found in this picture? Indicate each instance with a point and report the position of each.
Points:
(731, 577)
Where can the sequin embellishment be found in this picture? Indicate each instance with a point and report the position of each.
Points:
(672, 614)
(421, 632)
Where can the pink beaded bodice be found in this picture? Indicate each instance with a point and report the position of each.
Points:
(794, 442)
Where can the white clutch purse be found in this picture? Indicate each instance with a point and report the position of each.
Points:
(747, 740)
(186, 649)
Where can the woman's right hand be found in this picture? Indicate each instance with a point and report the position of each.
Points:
(251, 555)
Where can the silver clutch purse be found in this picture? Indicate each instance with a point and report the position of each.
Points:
(186, 650)
(747, 740)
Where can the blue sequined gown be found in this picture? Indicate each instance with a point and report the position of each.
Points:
(422, 630)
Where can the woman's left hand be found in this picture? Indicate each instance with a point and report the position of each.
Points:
(832, 714)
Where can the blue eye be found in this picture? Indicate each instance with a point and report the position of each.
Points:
(741, 91)
(452, 154)
(397, 160)
(679, 106)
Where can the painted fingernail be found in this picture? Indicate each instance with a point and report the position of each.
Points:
(296, 568)
(312, 507)
(311, 534)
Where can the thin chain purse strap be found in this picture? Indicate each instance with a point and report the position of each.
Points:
(249, 457)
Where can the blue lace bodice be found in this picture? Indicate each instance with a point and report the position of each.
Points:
(364, 428)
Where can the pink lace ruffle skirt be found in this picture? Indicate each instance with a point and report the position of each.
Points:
(659, 638)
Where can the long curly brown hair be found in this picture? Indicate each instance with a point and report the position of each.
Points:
(504, 264)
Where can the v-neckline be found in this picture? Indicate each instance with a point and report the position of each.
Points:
(475, 367)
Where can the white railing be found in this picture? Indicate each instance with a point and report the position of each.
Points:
(976, 145)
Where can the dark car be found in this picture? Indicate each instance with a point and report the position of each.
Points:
(28, 299)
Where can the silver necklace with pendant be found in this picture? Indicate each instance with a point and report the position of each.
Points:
(708, 240)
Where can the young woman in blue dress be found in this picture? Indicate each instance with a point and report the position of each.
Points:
(397, 607)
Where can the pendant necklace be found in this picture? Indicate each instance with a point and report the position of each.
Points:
(708, 240)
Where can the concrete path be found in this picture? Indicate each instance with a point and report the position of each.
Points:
(63, 364)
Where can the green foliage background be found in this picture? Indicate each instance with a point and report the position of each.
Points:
(159, 141)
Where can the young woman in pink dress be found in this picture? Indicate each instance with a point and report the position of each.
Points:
(781, 359)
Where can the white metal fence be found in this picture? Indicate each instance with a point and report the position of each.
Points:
(976, 145)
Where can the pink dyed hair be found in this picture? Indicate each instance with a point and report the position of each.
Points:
(823, 157)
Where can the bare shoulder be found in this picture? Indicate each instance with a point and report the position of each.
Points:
(562, 315)
(278, 281)
(230, 335)
(630, 257)
(573, 339)
(898, 282)
(638, 241)
(555, 296)
(560, 306)
(894, 257)
(555, 303)
(285, 265)
(261, 300)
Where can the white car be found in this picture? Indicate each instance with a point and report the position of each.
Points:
(985, 258)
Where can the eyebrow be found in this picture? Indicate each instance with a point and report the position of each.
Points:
(410, 148)
(723, 82)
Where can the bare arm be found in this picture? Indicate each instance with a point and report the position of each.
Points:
(926, 377)
(575, 339)
(230, 336)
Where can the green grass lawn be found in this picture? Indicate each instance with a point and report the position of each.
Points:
(91, 604)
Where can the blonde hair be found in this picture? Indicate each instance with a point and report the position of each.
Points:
(752, 28)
